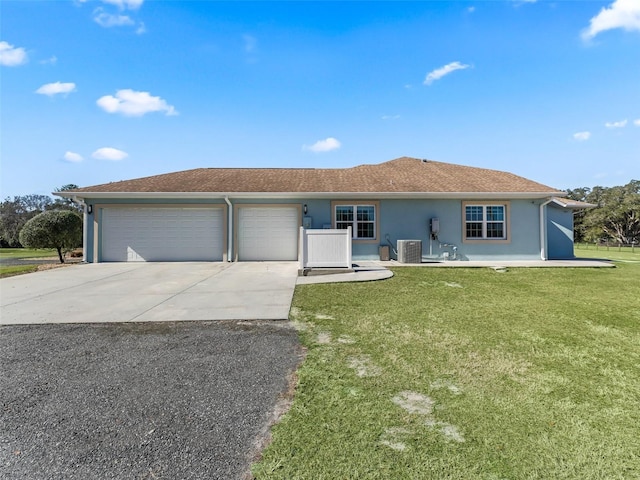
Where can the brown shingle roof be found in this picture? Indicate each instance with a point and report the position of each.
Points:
(402, 175)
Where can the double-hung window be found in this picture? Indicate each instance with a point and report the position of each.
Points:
(361, 219)
(485, 222)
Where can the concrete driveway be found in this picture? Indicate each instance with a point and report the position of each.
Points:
(150, 292)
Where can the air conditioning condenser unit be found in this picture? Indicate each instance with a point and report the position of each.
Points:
(410, 251)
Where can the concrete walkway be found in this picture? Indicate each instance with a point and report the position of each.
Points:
(573, 263)
(372, 270)
(149, 292)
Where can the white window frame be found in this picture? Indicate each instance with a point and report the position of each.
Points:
(354, 223)
(485, 223)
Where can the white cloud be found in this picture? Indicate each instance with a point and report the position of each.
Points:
(125, 4)
(582, 136)
(142, 28)
(50, 61)
(11, 56)
(72, 157)
(250, 43)
(637, 122)
(438, 73)
(325, 145)
(108, 20)
(471, 9)
(623, 14)
(108, 153)
(56, 88)
(134, 104)
(620, 124)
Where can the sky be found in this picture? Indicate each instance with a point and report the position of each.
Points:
(95, 91)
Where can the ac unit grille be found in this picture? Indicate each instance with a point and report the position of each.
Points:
(410, 251)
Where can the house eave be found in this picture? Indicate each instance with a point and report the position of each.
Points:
(571, 204)
(318, 195)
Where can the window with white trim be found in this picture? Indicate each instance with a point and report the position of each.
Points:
(485, 222)
(361, 219)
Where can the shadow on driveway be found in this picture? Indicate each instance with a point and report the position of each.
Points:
(169, 400)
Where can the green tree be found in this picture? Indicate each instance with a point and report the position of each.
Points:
(15, 213)
(59, 229)
(66, 203)
(616, 217)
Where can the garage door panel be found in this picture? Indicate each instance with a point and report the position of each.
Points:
(162, 234)
(268, 233)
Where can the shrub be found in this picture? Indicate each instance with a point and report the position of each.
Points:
(59, 229)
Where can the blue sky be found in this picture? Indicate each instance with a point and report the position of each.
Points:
(103, 90)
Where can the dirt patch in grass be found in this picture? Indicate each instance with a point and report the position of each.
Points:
(364, 366)
(414, 402)
(394, 438)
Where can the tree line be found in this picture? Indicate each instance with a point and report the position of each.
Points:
(17, 211)
(615, 217)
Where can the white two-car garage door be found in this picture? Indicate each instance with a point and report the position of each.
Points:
(268, 233)
(162, 234)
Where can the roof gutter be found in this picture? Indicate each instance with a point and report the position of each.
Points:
(229, 229)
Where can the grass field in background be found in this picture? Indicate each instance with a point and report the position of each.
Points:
(27, 253)
(8, 270)
(622, 254)
(466, 373)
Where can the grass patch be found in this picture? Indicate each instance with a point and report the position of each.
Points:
(530, 373)
(11, 270)
(620, 254)
(27, 253)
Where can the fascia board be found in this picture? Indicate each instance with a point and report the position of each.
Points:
(330, 195)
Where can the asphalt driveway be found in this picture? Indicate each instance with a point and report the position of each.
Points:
(150, 292)
(160, 400)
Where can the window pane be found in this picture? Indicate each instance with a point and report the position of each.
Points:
(495, 213)
(495, 230)
(366, 213)
(474, 230)
(365, 230)
(474, 213)
(344, 214)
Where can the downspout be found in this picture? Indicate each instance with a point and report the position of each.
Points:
(543, 230)
(229, 229)
(85, 221)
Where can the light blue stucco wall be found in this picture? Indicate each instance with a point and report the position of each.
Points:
(409, 219)
(559, 233)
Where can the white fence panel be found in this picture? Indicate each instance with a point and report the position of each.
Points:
(325, 248)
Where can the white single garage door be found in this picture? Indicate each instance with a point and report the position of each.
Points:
(162, 234)
(268, 233)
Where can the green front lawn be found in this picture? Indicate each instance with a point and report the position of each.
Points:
(466, 373)
(12, 270)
